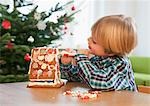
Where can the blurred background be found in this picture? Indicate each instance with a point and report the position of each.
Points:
(91, 10)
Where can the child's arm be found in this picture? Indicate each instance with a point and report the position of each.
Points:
(69, 72)
(68, 67)
(91, 74)
(107, 75)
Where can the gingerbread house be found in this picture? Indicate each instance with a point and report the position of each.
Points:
(44, 68)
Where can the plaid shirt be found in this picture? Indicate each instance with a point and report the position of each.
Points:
(103, 73)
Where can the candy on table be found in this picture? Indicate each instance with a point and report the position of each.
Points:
(83, 95)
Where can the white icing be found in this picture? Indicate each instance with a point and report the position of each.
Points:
(39, 72)
(43, 66)
(35, 65)
(41, 83)
(50, 57)
(41, 58)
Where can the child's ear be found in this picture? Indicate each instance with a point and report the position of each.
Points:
(108, 51)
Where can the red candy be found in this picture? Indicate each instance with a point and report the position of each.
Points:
(68, 92)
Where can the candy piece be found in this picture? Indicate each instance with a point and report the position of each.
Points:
(43, 66)
(39, 72)
(67, 93)
(34, 73)
(41, 58)
(85, 97)
(43, 51)
(35, 65)
(49, 73)
(50, 57)
(45, 74)
(82, 95)
(95, 92)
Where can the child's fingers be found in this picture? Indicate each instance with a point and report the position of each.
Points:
(73, 62)
(68, 52)
(66, 60)
(84, 51)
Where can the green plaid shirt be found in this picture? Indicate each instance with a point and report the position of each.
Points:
(103, 73)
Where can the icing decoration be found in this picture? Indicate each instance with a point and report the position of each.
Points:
(39, 72)
(35, 65)
(41, 58)
(43, 66)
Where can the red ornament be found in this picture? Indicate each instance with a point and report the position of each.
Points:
(6, 24)
(73, 8)
(65, 28)
(9, 45)
(27, 57)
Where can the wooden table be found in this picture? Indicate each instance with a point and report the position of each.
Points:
(16, 94)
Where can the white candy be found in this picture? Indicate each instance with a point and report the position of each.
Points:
(39, 72)
(49, 57)
(43, 66)
(41, 57)
(35, 65)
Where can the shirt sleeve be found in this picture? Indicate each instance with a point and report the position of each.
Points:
(69, 72)
(101, 73)
(91, 74)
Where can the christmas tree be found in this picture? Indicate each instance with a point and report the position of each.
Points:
(19, 33)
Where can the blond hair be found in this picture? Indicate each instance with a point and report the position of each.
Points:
(116, 33)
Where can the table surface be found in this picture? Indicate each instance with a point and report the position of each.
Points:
(17, 94)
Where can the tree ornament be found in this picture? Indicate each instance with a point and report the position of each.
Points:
(30, 39)
(65, 28)
(9, 45)
(27, 57)
(6, 24)
(37, 16)
(12, 39)
(41, 25)
(73, 8)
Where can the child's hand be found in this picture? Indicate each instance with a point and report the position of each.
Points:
(66, 59)
(68, 52)
(67, 56)
(84, 51)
